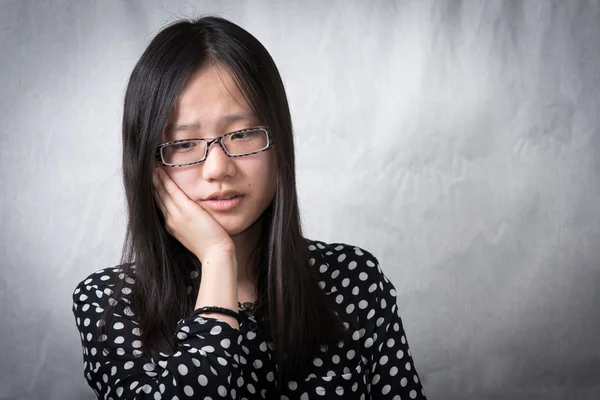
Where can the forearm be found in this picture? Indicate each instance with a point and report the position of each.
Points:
(218, 286)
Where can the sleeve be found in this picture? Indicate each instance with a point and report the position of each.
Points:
(205, 364)
(393, 371)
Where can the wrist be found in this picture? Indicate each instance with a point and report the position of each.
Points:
(219, 259)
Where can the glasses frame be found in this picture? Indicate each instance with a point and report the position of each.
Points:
(210, 142)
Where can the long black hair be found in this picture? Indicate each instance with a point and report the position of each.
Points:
(299, 317)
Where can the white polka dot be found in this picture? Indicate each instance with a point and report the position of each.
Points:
(148, 367)
(403, 382)
(318, 362)
(341, 257)
(183, 370)
(128, 365)
(386, 389)
(188, 390)
(202, 380)
(363, 276)
(413, 394)
(216, 330)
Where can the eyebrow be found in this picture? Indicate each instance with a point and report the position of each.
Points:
(228, 119)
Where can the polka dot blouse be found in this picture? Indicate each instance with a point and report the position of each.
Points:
(214, 360)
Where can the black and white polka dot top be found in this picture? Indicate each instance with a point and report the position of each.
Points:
(214, 360)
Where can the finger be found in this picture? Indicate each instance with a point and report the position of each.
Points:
(159, 202)
(164, 197)
(171, 194)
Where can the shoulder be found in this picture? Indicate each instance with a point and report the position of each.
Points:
(342, 265)
(98, 288)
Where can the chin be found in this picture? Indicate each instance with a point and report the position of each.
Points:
(238, 226)
(234, 227)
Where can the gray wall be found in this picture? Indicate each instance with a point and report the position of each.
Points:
(458, 141)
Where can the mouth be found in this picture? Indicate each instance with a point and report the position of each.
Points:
(223, 203)
(224, 197)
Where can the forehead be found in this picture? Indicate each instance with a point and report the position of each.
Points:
(209, 100)
(209, 85)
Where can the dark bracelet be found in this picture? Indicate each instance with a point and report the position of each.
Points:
(219, 310)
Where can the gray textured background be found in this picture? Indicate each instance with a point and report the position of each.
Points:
(458, 141)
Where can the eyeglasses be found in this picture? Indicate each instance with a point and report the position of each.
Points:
(240, 143)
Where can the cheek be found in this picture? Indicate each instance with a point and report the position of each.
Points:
(259, 172)
(185, 178)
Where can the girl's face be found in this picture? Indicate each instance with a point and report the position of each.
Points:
(209, 106)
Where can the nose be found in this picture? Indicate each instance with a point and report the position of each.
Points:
(217, 166)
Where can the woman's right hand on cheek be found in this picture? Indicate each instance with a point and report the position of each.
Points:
(187, 221)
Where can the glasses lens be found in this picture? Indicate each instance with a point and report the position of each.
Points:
(244, 142)
(184, 152)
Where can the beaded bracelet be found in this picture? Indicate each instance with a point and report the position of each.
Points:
(218, 310)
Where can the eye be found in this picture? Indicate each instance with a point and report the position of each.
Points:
(238, 135)
(243, 135)
(184, 146)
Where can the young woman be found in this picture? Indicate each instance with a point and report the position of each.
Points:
(218, 294)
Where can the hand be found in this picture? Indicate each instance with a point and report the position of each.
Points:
(187, 221)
